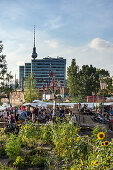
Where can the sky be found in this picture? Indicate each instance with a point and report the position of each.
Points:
(80, 29)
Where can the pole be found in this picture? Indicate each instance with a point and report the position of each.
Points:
(79, 114)
(103, 102)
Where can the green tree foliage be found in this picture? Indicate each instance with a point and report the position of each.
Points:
(73, 79)
(89, 80)
(82, 83)
(5, 77)
(104, 77)
(30, 90)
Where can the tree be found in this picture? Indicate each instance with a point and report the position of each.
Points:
(82, 83)
(73, 79)
(5, 77)
(30, 90)
(104, 77)
(89, 80)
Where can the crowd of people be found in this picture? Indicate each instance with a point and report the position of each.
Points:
(103, 117)
(16, 115)
(37, 115)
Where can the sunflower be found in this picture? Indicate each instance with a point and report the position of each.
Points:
(102, 144)
(78, 138)
(89, 140)
(109, 157)
(106, 143)
(81, 162)
(69, 140)
(101, 135)
(96, 163)
(92, 163)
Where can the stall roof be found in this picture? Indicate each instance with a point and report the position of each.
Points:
(44, 104)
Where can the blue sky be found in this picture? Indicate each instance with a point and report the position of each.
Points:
(81, 29)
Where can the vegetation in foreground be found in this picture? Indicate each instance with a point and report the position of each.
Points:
(57, 146)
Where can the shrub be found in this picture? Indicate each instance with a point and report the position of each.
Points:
(19, 162)
(13, 146)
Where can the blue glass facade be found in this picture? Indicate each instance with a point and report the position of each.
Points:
(41, 68)
(27, 70)
(21, 76)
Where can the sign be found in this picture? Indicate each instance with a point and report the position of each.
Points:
(21, 101)
(103, 85)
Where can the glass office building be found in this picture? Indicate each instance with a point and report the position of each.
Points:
(21, 76)
(41, 69)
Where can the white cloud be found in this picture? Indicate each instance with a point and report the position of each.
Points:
(100, 44)
(20, 63)
(51, 43)
(54, 22)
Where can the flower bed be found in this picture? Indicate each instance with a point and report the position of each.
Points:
(56, 146)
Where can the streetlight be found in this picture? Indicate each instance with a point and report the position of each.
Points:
(103, 87)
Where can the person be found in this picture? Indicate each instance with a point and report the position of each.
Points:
(9, 118)
(23, 115)
(35, 113)
(74, 119)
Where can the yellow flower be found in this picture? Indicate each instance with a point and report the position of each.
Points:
(64, 138)
(78, 138)
(75, 131)
(81, 162)
(109, 157)
(101, 135)
(86, 136)
(92, 163)
(72, 168)
(69, 140)
(96, 163)
(89, 140)
(102, 144)
(106, 143)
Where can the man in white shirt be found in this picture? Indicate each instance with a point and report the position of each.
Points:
(74, 119)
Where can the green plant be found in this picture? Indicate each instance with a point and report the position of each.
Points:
(13, 146)
(2, 151)
(46, 134)
(29, 134)
(39, 161)
(19, 162)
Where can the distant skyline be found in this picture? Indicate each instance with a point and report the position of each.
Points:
(80, 29)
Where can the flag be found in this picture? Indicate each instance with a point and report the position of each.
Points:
(43, 87)
(60, 85)
(46, 85)
(51, 73)
(53, 86)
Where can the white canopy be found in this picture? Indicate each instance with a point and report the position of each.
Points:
(2, 108)
(44, 104)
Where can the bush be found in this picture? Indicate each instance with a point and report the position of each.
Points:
(19, 162)
(13, 146)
